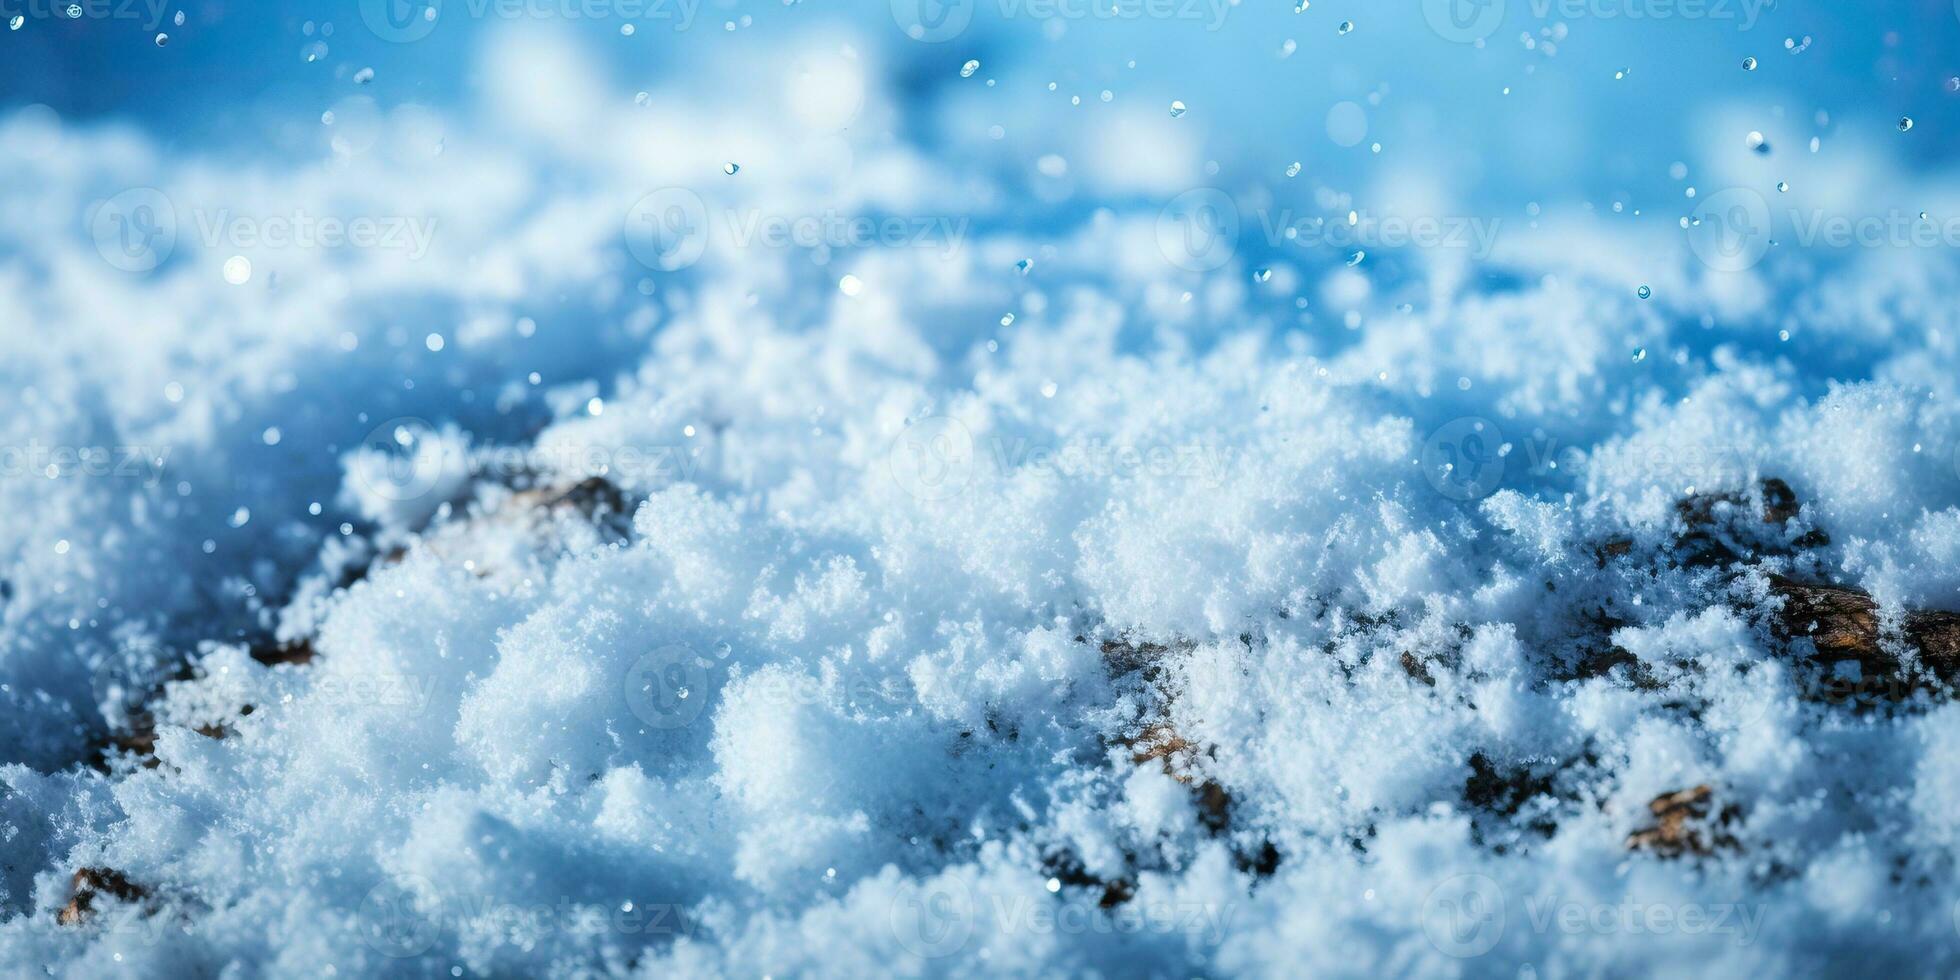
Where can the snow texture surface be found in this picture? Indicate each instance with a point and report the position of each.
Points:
(993, 597)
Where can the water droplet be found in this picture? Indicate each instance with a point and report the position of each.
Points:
(1783, 186)
(238, 270)
(1301, 7)
(74, 11)
(1007, 319)
(1293, 169)
(642, 99)
(162, 39)
(1905, 124)
(1643, 292)
(1048, 389)
(722, 650)
(1177, 108)
(1355, 259)
(730, 168)
(1639, 355)
(1024, 265)
(179, 19)
(850, 285)
(1262, 274)
(14, 24)
(241, 517)
(1756, 141)
(967, 70)
(364, 76)
(1346, 27)
(1749, 64)
(625, 30)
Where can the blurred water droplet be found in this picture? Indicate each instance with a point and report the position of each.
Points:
(1639, 355)
(1301, 7)
(1262, 274)
(642, 99)
(1293, 169)
(179, 19)
(162, 39)
(1048, 389)
(14, 24)
(1346, 27)
(1024, 265)
(967, 70)
(1007, 319)
(1177, 108)
(1355, 259)
(364, 76)
(74, 11)
(625, 30)
(238, 270)
(1643, 292)
(731, 168)
(1905, 123)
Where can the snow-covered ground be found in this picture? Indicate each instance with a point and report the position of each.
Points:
(744, 528)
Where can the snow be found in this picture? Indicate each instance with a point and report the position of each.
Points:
(776, 630)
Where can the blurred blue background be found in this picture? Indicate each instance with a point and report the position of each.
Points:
(1550, 99)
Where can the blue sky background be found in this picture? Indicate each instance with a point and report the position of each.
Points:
(237, 75)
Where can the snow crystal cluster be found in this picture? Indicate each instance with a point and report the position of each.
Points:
(979, 600)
